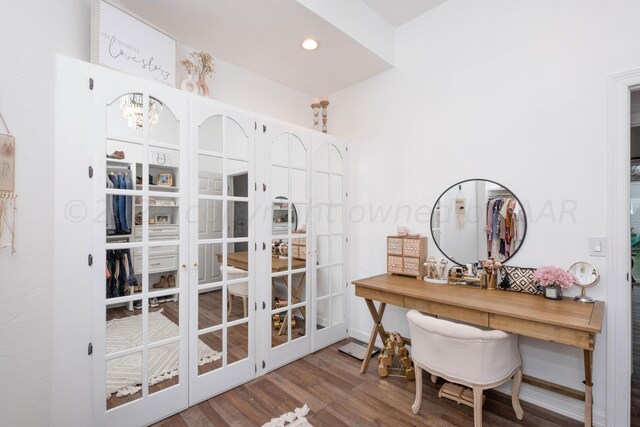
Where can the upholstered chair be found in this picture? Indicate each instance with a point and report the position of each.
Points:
(240, 289)
(466, 355)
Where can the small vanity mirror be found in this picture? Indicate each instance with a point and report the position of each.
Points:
(587, 276)
(477, 219)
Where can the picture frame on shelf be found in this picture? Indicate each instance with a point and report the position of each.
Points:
(122, 41)
(152, 221)
(163, 219)
(165, 179)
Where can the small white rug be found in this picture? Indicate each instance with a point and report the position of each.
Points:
(291, 419)
(124, 374)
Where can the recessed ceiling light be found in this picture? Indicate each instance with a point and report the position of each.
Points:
(310, 44)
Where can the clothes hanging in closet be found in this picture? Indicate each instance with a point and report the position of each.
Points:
(120, 277)
(119, 207)
(504, 227)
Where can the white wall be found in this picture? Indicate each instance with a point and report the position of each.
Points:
(30, 33)
(509, 90)
(242, 88)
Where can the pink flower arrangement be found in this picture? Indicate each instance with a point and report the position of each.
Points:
(547, 276)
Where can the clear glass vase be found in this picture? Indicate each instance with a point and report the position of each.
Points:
(553, 292)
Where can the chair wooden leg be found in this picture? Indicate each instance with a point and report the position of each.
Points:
(434, 378)
(418, 401)
(477, 407)
(515, 394)
(229, 301)
(245, 303)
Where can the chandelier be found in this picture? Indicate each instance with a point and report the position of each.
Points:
(132, 110)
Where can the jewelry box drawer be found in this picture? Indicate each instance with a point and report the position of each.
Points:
(411, 247)
(394, 264)
(411, 266)
(394, 246)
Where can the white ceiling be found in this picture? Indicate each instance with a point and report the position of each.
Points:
(264, 36)
(398, 12)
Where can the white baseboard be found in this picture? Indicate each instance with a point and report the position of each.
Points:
(554, 402)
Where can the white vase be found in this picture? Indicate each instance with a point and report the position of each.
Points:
(189, 84)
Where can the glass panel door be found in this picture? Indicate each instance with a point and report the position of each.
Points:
(222, 307)
(329, 241)
(140, 328)
(286, 280)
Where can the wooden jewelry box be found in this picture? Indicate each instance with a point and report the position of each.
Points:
(406, 255)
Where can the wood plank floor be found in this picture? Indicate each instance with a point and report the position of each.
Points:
(338, 395)
(209, 314)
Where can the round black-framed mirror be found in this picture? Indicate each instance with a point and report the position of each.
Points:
(476, 219)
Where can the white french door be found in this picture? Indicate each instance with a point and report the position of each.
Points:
(180, 200)
(328, 219)
(286, 282)
(222, 308)
(140, 339)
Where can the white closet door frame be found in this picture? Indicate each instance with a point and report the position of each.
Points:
(339, 331)
(296, 347)
(202, 387)
(148, 408)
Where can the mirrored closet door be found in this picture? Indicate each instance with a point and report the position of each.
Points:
(329, 213)
(286, 282)
(222, 307)
(140, 323)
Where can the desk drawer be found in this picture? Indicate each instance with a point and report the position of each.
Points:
(381, 296)
(480, 318)
(543, 331)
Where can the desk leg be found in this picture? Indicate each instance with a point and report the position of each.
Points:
(588, 388)
(295, 298)
(377, 330)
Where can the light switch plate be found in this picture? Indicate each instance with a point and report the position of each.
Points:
(597, 246)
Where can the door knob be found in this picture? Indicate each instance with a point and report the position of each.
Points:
(184, 266)
(195, 264)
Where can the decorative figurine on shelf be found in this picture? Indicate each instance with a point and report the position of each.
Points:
(201, 65)
(554, 280)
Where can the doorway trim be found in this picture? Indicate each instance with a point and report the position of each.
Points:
(618, 317)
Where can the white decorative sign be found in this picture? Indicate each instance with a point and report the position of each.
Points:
(124, 42)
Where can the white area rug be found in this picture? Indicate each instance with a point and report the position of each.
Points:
(124, 374)
(291, 419)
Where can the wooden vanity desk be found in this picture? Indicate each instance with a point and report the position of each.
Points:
(564, 322)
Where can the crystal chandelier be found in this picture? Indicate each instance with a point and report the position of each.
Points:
(132, 110)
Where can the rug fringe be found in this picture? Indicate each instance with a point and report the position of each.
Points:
(291, 419)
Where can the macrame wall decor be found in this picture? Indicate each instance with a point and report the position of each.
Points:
(7, 190)
(461, 209)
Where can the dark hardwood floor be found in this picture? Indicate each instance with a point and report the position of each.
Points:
(338, 395)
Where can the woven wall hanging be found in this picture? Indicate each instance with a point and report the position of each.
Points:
(7, 189)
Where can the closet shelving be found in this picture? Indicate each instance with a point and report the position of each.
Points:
(163, 213)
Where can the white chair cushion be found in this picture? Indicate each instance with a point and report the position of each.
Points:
(462, 353)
